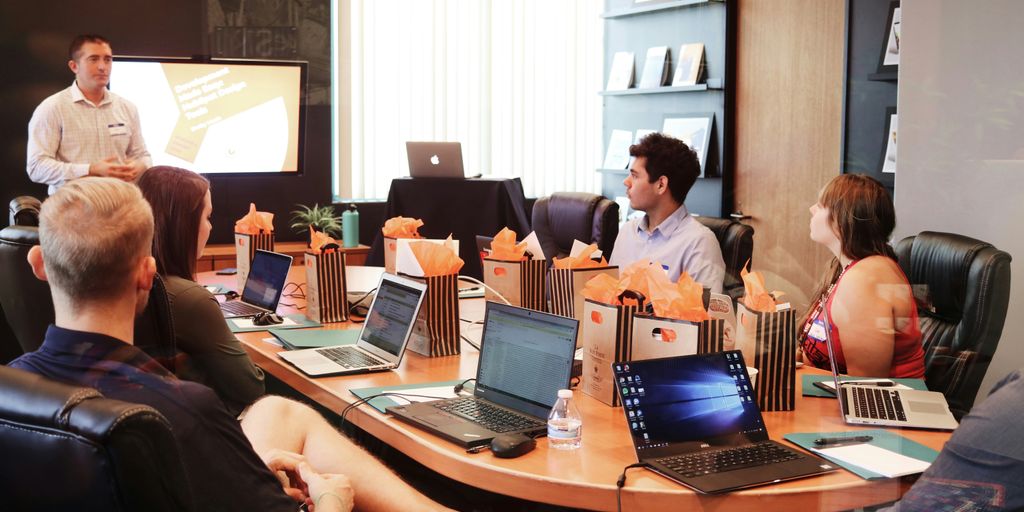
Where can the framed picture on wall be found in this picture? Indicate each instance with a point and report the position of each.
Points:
(889, 61)
(694, 130)
(888, 164)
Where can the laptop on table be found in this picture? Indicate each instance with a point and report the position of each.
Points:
(887, 406)
(263, 286)
(526, 356)
(382, 340)
(694, 420)
(435, 159)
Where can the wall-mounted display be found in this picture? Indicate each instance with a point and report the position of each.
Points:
(694, 130)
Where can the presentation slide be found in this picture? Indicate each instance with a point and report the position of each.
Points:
(216, 117)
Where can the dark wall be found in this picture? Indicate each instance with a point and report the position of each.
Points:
(34, 36)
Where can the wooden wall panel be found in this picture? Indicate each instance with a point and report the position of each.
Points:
(789, 69)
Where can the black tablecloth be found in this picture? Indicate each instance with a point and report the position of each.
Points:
(463, 207)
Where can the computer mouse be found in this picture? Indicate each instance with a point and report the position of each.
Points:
(267, 319)
(508, 446)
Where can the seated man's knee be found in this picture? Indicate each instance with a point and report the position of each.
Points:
(278, 409)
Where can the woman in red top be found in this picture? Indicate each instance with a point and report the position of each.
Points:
(871, 310)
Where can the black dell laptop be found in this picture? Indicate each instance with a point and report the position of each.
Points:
(694, 419)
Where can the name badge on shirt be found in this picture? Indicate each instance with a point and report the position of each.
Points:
(817, 330)
(117, 129)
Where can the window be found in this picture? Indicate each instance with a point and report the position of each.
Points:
(515, 82)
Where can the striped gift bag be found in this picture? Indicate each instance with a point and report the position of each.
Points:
(566, 286)
(436, 331)
(245, 250)
(326, 299)
(606, 332)
(521, 283)
(768, 343)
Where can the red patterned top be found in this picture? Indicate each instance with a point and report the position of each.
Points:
(907, 355)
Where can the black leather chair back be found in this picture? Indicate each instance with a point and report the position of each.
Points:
(24, 211)
(28, 306)
(737, 242)
(68, 448)
(566, 216)
(968, 289)
(26, 301)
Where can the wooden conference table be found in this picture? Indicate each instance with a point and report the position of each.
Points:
(583, 478)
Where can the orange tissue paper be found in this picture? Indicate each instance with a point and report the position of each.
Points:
(318, 240)
(581, 260)
(686, 302)
(255, 222)
(505, 248)
(755, 295)
(402, 227)
(437, 259)
(603, 288)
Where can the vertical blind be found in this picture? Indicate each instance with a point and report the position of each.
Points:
(515, 81)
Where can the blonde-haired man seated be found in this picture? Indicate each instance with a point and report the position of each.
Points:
(96, 236)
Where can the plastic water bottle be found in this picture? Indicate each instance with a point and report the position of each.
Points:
(350, 226)
(565, 425)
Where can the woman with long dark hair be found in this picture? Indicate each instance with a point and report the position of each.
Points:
(870, 305)
(211, 354)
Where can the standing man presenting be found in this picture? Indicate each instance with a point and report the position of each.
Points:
(661, 176)
(85, 130)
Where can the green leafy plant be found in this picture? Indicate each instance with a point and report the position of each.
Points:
(322, 218)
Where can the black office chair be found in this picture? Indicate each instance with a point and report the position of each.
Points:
(24, 211)
(566, 216)
(26, 301)
(68, 448)
(968, 289)
(737, 242)
(28, 307)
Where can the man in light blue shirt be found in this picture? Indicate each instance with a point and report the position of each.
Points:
(661, 176)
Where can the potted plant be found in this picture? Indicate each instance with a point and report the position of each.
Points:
(321, 218)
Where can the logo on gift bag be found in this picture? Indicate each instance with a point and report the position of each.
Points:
(664, 335)
(595, 316)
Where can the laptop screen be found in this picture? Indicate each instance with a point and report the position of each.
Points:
(703, 399)
(525, 358)
(267, 274)
(391, 315)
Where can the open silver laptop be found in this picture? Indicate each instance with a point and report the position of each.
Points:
(435, 159)
(382, 341)
(887, 406)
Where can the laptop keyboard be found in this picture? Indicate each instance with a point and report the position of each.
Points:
(878, 404)
(729, 459)
(350, 358)
(492, 418)
(237, 307)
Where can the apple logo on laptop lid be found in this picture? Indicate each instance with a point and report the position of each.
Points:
(435, 160)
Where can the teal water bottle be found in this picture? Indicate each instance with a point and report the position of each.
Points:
(350, 226)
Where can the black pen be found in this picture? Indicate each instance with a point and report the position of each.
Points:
(825, 441)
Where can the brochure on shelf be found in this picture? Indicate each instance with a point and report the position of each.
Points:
(617, 156)
(656, 67)
(622, 72)
(690, 69)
